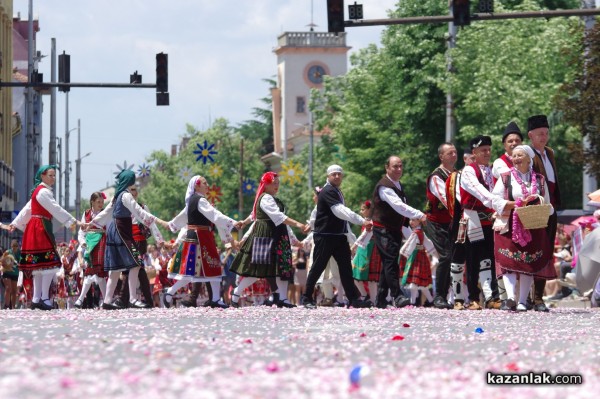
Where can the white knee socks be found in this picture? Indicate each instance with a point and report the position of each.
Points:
(510, 282)
(525, 286)
(485, 278)
(457, 271)
(215, 287)
(282, 288)
(361, 288)
(373, 290)
(85, 287)
(37, 288)
(133, 281)
(243, 284)
(111, 285)
(174, 288)
(46, 281)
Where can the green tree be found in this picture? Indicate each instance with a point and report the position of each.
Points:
(579, 101)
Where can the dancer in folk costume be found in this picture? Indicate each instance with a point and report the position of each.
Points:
(39, 257)
(93, 243)
(197, 259)
(141, 233)
(122, 253)
(511, 138)
(366, 264)
(415, 266)
(520, 252)
(457, 233)
(266, 250)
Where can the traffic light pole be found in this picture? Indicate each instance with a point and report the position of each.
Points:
(440, 19)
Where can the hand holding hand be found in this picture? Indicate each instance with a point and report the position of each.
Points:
(235, 245)
(306, 229)
(368, 224)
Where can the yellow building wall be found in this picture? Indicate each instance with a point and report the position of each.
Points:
(6, 12)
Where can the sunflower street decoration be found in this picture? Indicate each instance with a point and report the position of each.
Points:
(248, 186)
(185, 173)
(215, 171)
(214, 194)
(290, 172)
(143, 170)
(205, 152)
(123, 167)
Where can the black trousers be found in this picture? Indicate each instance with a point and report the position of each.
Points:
(388, 244)
(439, 234)
(476, 253)
(327, 246)
(144, 287)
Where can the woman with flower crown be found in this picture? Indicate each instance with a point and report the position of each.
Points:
(520, 253)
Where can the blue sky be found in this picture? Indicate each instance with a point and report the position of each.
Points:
(219, 52)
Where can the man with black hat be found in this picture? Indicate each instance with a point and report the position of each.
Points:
(330, 238)
(511, 138)
(437, 227)
(390, 214)
(544, 163)
(478, 202)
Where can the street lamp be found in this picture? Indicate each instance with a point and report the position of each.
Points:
(78, 185)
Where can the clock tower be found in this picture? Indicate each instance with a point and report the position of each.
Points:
(303, 60)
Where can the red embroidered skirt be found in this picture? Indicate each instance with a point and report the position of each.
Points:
(38, 251)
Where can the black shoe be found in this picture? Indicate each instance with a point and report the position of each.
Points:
(509, 305)
(35, 305)
(137, 304)
(428, 304)
(214, 304)
(308, 303)
(120, 304)
(540, 307)
(188, 303)
(43, 306)
(111, 306)
(360, 303)
(441, 303)
(529, 303)
(274, 301)
(78, 305)
(166, 303)
(285, 304)
(401, 301)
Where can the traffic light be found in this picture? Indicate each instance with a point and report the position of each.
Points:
(162, 79)
(461, 11)
(355, 11)
(64, 71)
(335, 16)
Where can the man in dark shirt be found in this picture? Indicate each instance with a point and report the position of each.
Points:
(331, 239)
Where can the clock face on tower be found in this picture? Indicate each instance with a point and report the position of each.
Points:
(315, 72)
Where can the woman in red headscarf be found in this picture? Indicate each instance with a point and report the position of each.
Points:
(266, 250)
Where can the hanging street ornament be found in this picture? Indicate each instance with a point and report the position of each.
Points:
(205, 152)
(185, 173)
(290, 173)
(144, 170)
(248, 186)
(214, 194)
(123, 167)
(215, 171)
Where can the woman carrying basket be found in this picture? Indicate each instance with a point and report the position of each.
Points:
(521, 252)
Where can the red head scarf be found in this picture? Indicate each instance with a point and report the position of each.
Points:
(266, 179)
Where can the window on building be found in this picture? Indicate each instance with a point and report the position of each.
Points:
(300, 105)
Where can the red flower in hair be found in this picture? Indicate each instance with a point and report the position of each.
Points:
(367, 204)
(103, 195)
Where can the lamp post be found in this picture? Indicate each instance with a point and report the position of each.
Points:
(78, 185)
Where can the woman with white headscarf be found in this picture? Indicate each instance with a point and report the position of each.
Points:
(520, 252)
(197, 259)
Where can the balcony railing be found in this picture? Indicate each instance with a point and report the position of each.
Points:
(312, 39)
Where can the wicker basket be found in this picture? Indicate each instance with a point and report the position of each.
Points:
(535, 216)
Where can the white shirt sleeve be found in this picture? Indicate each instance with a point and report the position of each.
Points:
(499, 167)
(343, 212)
(364, 238)
(23, 217)
(293, 239)
(470, 183)
(179, 221)
(224, 223)
(46, 199)
(269, 206)
(388, 195)
(154, 229)
(313, 218)
(438, 188)
(81, 234)
(103, 218)
(409, 245)
(136, 210)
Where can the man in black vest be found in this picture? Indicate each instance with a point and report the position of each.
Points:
(437, 228)
(390, 214)
(330, 237)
